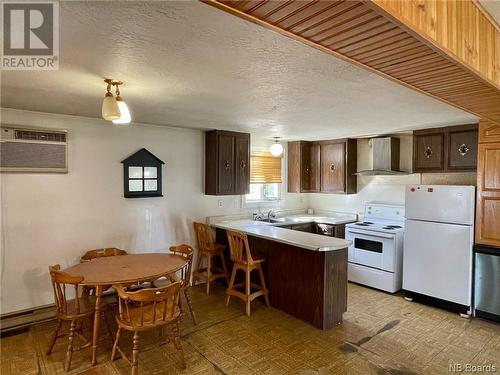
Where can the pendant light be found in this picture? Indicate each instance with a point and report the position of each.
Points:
(110, 109)
(125, 117)
(276, 148)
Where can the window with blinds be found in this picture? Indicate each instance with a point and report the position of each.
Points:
(265, 168)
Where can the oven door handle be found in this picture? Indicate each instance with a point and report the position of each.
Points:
(381, 235)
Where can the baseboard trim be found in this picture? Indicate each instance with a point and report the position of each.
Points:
(21, 319)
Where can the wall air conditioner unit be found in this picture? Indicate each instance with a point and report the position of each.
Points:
(25, 149)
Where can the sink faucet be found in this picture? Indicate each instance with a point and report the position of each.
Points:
(271, 214)
(258, 216)
(264, 217)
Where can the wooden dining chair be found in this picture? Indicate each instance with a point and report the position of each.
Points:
(104, 252)
(186, 252)
(208, 250)
(75, 310)
(243, 260)
(99, 253)
(145, 310)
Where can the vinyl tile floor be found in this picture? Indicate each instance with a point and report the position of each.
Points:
(381, 334)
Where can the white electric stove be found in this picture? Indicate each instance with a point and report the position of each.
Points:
(376, 253)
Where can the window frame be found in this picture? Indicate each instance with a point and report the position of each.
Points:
(143, 179)
(281, 186)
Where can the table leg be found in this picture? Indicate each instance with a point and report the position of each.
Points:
(97, 317)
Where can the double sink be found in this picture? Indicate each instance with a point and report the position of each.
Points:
(275, 220)
(333, 219)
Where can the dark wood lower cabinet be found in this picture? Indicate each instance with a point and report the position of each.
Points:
(332, 230)
(310, 285)
(306, 227)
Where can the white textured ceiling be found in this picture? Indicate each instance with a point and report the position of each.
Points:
(190, 65)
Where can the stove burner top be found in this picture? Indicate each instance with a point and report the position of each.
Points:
(365, 223)
(392, 227)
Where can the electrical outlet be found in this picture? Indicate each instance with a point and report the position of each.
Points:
(221, 203)
(301, 199)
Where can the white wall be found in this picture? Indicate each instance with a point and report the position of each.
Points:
(54, 218)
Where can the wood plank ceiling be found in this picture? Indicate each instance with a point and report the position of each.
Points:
(363, 34)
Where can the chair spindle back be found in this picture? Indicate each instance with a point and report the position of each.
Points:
(204, 237)
(105, 252)
(59, 282)
(148, 307)
(238, 246)
(186, 252)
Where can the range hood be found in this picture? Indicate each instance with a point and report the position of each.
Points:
(385, 158)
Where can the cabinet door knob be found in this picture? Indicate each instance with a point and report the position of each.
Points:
(463, 149)
(243, 164)
(227, 164)
(333, 167)
(428, 152)
(308, 169)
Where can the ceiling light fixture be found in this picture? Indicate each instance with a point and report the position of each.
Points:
(125, 117)
(110, 110)
(276, 148)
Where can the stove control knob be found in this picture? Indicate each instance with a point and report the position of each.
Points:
(412, 190)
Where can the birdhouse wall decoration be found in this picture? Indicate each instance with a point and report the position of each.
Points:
(142, 175)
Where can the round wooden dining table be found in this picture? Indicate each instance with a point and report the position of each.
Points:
(122, 269)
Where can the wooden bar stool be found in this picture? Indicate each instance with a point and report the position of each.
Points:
(208, 249)
(144, 310)
(186, 252)
(74, 311)
(243, 260)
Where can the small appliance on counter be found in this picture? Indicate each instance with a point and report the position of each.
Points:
(375, 257)
(487, 282)
(439, 233)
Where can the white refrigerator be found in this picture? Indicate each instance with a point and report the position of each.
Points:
(438, 240)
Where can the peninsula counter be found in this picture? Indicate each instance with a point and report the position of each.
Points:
(306, 273)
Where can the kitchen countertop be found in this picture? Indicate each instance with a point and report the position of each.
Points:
(272, 231)
(334, 219)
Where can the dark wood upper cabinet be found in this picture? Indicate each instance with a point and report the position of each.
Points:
(338, 166)
(242, 166)
(310, 168)
(303, 167)
(450, 149)
(428, 152)
(333, 168)
(462, 149)
(294, 167)
(323, 166)
(227, 163)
